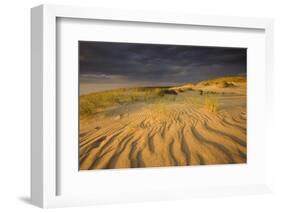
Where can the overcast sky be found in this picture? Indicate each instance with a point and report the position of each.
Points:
(105, 63)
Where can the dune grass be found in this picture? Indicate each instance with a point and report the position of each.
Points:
(223, 80)
(211, 103)
(96, 102)
(99, 101)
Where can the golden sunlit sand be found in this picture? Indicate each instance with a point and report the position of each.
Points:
(193, 124)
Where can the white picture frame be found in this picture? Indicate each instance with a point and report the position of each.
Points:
(44, 153)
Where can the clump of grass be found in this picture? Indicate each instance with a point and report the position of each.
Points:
(225, 84)
(180, 90)
(211, 104)
(167, 92)
(98, 101)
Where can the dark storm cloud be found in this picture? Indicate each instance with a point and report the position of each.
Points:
(107, 62)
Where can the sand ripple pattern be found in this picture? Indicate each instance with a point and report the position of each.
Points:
(159, 135)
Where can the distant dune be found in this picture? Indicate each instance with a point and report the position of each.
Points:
(192, 124)
(233, 84)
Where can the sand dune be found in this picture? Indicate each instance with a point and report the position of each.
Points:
(176, 131)
(234, 85)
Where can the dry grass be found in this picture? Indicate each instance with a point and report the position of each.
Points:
(211, 104)
(96, 102)
(223, 80)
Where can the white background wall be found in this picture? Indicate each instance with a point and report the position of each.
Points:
(15, 105)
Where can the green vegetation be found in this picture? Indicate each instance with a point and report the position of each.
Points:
(208, 101)
(211, 103)
(161, 96)
(97, 102)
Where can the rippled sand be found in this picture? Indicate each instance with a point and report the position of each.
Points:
(176, 132)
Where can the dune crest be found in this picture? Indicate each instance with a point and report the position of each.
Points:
(234, 84)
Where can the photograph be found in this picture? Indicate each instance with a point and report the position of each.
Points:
(147, 105)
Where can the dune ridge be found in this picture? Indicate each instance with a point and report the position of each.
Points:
(230, 84)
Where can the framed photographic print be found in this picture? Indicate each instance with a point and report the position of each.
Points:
(130, 106)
